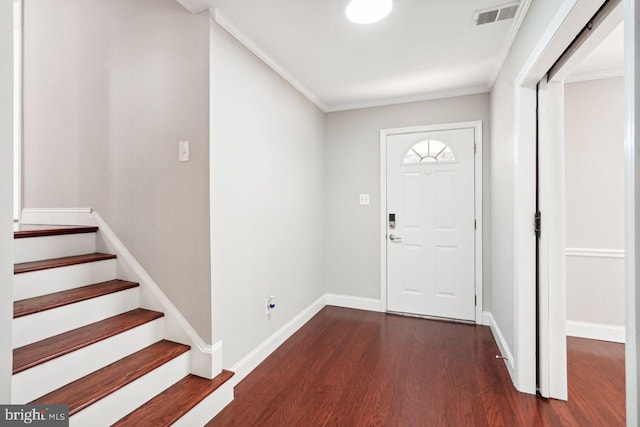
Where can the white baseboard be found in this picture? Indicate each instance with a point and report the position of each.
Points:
(487, 319)
(57, 216)
(348, 301)
(596, 331)
(268, 346)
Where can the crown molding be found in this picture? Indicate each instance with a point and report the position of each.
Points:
(196, 6)
(411, 98)
(595, 75)
(230, 27)
(511, 37)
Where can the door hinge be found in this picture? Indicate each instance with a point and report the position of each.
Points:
(474, 149)
(537, 224)
(475, 300)
(475, 224)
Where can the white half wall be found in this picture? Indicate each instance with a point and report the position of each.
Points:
(6, 196)
(353, 167)
(267, 198)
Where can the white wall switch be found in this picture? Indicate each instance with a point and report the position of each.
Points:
(364, 199)
(183, 151)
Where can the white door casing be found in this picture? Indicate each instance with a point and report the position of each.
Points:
(552, 300)
(435, 269)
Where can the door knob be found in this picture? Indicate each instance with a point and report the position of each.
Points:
(394, 238)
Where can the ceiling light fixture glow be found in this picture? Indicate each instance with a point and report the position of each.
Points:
(368, 11)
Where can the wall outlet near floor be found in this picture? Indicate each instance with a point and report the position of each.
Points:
(364, 199)
(270, 305)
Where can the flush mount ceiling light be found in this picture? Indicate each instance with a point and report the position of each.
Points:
(368, 11)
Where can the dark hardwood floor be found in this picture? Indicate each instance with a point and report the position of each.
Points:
(356, 368)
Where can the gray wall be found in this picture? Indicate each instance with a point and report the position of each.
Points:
(353, 167)
(110, 87)
(6, 196)
(594, 179)
(267, 200)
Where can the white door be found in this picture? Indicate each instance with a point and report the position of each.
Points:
(552, 350)
(430, 247)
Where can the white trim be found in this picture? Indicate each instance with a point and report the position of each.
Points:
(451, 93)
(595, 75)
(384, 133)
(206, 360)
(594, 252)
(562, 29)
(57, 216)
(505, 351)
(552, 351)
(358, 303)
(18, 6)
(196, 6)
(229, 26)
(177, 328)
(208, 408)
(268, 346)
(511, 37)
(631, 200)
(595, 331)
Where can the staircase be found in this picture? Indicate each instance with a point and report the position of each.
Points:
(80, 338)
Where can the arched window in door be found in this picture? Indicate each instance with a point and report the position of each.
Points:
(429, 150)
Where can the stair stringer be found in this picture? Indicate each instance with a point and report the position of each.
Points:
(206, 359)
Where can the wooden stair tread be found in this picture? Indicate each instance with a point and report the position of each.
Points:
(167, 407)
(59, 299)
(99, 384)
(26, 267)
(25, 231)
(39, 352)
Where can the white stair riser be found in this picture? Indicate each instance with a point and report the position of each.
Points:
(120, 403)
(43, 282)
(46, 377)
(38, 326)
(38, 248)
(208, 408)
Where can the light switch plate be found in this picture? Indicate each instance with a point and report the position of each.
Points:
(183, 151)
(364, 199)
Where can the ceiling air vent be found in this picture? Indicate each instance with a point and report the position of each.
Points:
(495, 14)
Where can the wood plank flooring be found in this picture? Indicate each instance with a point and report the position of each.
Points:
(356, 368)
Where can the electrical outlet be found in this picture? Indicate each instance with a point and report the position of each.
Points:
(364, 199)
(183, 151)
(270, 304)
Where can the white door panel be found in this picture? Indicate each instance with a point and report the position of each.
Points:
(431, 263)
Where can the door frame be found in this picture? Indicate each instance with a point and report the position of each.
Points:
(569, 20)
(18, 28)
(477, 130)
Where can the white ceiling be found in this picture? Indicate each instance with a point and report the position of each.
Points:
(423, 49)
(606, 60)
